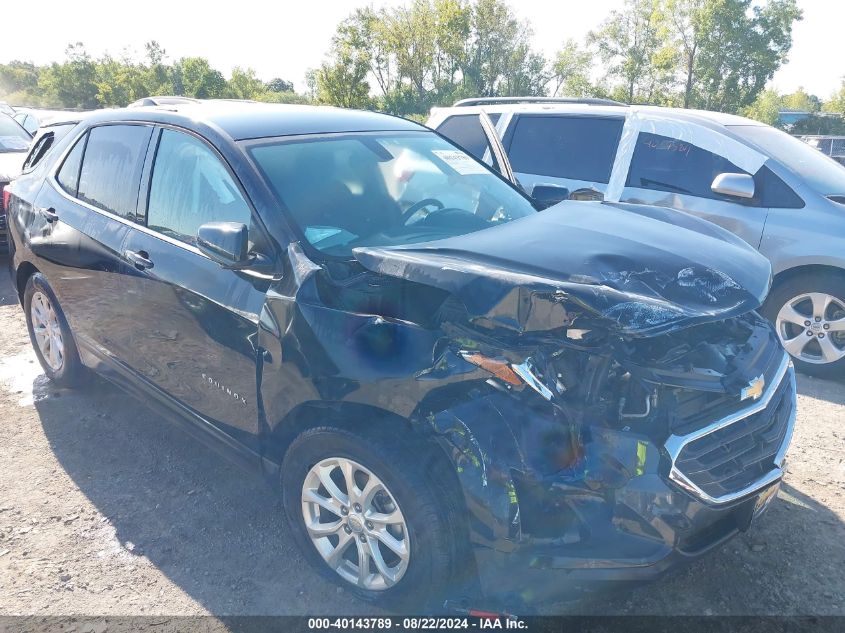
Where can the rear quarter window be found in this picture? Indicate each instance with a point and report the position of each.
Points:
(577, 148)
(43, 142)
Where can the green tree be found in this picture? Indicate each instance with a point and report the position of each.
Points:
(194, 77)
(801, 101)
(766, 107)
(570, 74)
(740, 51)
(243, 84)
(72, 83)
(342, 79)
(631, 45)
(119, 81)
(158, 75)
(499, 58)
(279, 85)
(836, 103)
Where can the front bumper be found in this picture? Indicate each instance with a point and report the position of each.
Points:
(636, 519)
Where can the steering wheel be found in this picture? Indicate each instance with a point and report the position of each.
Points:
(418, 206)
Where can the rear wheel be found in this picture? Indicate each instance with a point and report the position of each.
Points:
(372, 515)
(809, 315)
(50, 333)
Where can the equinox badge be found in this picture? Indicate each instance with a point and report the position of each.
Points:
(754, 389)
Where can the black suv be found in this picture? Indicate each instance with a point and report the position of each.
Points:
(452, 391)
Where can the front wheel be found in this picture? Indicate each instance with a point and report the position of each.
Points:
(808, 313)
(374, 515)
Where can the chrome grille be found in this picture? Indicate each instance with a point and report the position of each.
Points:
(741, 452)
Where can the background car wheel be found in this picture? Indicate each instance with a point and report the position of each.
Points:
(374, 515)
(809, 315)
(50, 334)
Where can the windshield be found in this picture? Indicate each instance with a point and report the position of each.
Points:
(384, 189)
(822, 174)
(13, 138)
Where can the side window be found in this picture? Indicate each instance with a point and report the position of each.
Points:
(465, 130)
(668, 164)
(771, 191)
(41, 145)
(189, 187)
(39, 149)
(111, 169)
(68, 176)
(578, 148)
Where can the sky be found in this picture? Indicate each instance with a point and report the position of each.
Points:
(284, 39)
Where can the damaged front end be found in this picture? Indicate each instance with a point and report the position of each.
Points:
(612, 460)
(628, 421)
(610, 407)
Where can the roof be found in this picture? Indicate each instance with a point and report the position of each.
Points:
(598, 108)
(244, 120)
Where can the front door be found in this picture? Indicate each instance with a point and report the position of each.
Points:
(676, 167)
(195, 322)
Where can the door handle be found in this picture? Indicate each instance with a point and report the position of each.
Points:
(49, 214)
(140, 259)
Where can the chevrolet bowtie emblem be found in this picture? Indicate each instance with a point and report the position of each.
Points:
(754, 389)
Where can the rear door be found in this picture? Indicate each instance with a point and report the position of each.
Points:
(195, 323)
(77, 226)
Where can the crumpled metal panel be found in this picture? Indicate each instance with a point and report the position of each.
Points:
(636, 270)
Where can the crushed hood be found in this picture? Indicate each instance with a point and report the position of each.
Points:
(635, 269)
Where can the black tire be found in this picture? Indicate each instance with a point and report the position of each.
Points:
(784, 292)
(438, 565)
(71, 373)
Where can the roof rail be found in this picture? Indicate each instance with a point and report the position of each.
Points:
(475, 101)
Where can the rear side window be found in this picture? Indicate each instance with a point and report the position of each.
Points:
(191, 186)
(41, 145)
(68, 176)
(662, 163)
(111, 169)
(465, 130)
(577, 148)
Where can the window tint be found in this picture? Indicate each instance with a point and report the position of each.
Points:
(68, 175)
(111, 170)
(466, 131)
(579, 148)
(191, 186)
(667, 164)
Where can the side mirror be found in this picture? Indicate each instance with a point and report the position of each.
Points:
(548, 195)
(734, 185)
(226, 243)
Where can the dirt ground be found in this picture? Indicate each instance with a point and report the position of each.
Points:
(108, 509)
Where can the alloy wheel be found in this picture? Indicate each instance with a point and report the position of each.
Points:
(47, 331)
(345, 504)
(811, 327)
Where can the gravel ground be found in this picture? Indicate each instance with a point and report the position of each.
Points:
(108, 509)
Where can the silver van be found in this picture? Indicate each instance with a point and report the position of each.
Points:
(774, 191)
